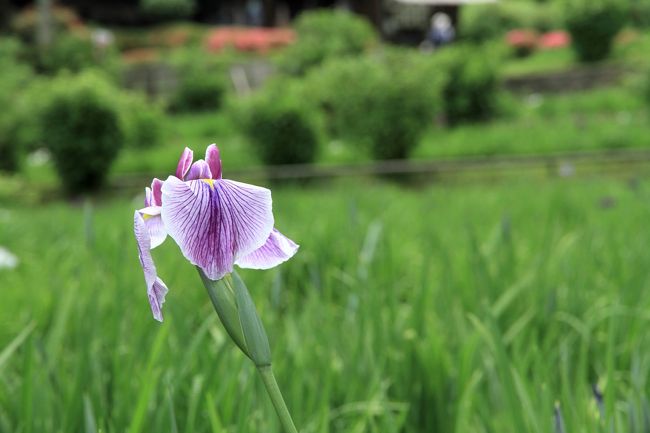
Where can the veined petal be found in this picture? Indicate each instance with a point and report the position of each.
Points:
(156, 192)
(214, 161)
(215, 222)
(199, 170)
(277, 249)
(156, 288)
(184, 163)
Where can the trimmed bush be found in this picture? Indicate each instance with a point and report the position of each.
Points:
(593, 24)
(324, 34)
(280, 126)
(383, 102)
(199, 89)
(83, 127)
(142, 121)
(471, 89)
(202, 81)
(75, 52)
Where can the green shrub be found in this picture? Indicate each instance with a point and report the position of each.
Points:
(202, 83)
(76, 52)
(142, 121)
(14, 78)
(199, 89)
(26, 130)
(471, 88)
(593, 24)
(479, 23)
(69, 51)
(280, 126)
(83, 127)
(382, 102)
(324, 34)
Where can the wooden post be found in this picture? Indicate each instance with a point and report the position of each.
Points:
(44, 32)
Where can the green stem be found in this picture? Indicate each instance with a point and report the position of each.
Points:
(276, 397)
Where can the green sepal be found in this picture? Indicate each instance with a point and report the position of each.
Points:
(225, 304)
(236, 310)
(251, 324)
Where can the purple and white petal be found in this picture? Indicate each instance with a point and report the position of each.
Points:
(199, 170)
(213, 159)
(156, 297)
(277, 249)
(215, 222)
(156, 186)
(156, 288)
(184, 163)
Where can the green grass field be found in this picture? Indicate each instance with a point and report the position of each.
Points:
(446, 309)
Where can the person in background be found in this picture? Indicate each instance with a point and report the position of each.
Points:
(442, 32)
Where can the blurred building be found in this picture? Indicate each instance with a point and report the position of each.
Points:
(398, 20)
(405, 20)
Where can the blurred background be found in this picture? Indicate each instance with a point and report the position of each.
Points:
(468, 181)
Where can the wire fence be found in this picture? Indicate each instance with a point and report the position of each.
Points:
(622, 162)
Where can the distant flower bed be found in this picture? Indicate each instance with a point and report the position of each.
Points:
(555, 39)
(253, 39)
(525, 41)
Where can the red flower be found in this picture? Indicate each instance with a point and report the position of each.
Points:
(555, 39)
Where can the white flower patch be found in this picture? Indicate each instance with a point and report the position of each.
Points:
(7, 259)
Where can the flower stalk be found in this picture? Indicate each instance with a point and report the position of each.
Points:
(236, 310)
(276, 398)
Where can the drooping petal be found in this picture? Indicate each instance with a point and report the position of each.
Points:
(215, 222)
(277, 249)
(156, 288)
(214, 161)
(156, 192)
(184, 163)
(199, 170)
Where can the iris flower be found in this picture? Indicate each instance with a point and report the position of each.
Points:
(216, 222)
